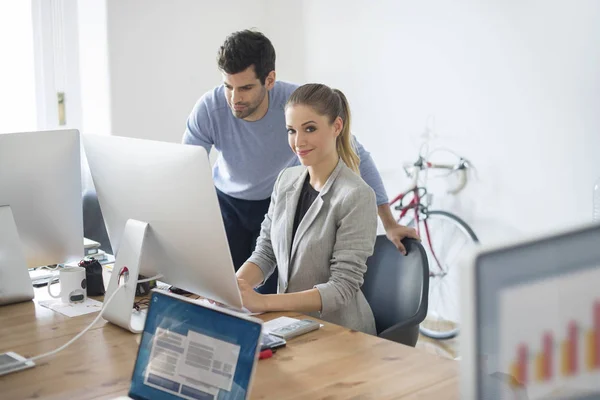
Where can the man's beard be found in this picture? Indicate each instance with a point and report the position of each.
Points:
(248, 111)
(244, 113)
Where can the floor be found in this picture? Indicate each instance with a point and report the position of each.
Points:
(443, 348)
(446, 348)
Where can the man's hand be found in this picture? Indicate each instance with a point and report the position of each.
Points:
(393, 230)
(253, 301)
(396, 232)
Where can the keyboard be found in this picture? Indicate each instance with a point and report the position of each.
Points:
(41, 276)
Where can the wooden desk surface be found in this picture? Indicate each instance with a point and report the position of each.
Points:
(331, 363)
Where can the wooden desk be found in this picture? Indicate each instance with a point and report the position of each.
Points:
(331, 363)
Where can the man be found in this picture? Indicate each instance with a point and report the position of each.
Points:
(244, 119)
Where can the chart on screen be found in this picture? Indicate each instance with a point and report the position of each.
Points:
(550, 335)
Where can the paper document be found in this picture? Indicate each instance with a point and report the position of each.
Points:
(74, 309)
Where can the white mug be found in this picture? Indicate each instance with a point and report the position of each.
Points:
(73, 286)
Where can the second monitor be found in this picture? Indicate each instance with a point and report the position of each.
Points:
(41, 218)
(162, 216)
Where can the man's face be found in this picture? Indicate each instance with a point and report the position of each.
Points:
(245, 93)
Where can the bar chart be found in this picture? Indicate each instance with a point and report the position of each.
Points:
(550, 337)
(542, 365)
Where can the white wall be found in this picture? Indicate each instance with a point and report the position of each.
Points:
(284, 26)
(512, 85)
(162, 57)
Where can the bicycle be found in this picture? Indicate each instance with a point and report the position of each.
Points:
(445, 237)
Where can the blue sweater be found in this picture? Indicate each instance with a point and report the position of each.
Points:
(253, 153)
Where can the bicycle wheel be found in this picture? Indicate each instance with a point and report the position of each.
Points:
(449, 237)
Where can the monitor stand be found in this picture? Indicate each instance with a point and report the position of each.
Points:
(15, 284)
(120, 310)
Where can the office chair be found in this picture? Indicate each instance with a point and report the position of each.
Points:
(93, 221)
(397, 289)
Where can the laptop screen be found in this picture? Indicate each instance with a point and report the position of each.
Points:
(193, 352)
(538, 313)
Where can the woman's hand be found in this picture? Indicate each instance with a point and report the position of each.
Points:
(253, 301)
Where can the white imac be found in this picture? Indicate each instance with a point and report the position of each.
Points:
(162, 216)
(41, 218)
(531, 319)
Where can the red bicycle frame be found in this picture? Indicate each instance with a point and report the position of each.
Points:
(416, 205)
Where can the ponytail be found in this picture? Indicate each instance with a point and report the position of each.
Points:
(344, 142)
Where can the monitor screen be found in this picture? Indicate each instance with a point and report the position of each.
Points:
(194, 352)
(538, 319)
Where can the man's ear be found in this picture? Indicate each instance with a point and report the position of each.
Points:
(270, 80)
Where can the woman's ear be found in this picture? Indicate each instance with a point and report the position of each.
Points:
(338, 126)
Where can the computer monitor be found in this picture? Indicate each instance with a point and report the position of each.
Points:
(531, 319)
(41, 218)
(162, 217)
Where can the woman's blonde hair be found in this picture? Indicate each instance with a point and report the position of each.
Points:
(331, 103)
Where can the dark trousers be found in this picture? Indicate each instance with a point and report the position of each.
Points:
(242, 219)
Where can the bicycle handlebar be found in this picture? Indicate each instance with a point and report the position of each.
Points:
(422, 164)
(462, 181)
(461, 167)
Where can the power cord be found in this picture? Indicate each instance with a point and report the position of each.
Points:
(143, 303)
(154, 278)
(80, 334)
(87, 328)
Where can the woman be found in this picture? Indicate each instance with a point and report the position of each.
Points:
(321, 224)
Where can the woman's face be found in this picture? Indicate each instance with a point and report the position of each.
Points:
(310, 135)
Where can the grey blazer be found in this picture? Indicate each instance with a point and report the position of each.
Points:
(331, 246)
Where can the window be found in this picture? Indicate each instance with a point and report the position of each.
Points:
(18, 111)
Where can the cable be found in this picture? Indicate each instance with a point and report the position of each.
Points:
(80, 334)
(70, 342)
(142, 304)
(53, 267)
(145, 302)
(154, 278)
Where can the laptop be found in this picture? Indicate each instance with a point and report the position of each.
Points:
(190, 350)
(531, 319)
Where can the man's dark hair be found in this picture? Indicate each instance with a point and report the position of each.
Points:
(245, 48)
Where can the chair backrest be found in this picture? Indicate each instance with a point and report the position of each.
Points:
(93, 221)
(397, 286)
